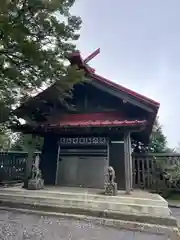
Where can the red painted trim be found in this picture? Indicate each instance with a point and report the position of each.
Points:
(99, 123)
(107, 119)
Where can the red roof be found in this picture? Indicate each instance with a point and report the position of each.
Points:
(108, 119)
(76, 58)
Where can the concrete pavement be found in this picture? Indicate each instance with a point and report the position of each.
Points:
(19, 226)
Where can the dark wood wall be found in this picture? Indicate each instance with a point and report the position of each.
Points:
(48, 162)
(86, 99)
(116, 160)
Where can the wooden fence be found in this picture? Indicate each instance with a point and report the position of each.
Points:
(12, 166)
(146, 167)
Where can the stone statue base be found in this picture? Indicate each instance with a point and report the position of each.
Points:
(36, 184)
(111, 189)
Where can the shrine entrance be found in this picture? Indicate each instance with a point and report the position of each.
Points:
(80, 142)
(82, 162)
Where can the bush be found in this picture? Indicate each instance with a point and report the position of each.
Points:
(166, 177)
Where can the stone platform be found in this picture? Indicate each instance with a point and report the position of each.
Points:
(140, 210)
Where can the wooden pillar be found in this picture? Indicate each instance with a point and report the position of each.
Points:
(130, 159)
(128, 162)
(57, 166)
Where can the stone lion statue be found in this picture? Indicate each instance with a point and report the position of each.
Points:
(111, 174)
(110, 186)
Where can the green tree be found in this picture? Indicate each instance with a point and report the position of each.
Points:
(36, 37)
(157, 143)
(5, 138)
(24, 142)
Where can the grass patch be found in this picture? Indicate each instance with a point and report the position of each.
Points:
(174, 197)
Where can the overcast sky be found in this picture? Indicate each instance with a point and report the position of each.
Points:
(140, 49)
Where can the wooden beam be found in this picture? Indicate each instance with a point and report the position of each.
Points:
(92, 55)
(130, 162)
(57, 165)
(127, 159)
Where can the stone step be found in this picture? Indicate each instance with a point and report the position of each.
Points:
(88, 203)
(156, 200)
(63, 209)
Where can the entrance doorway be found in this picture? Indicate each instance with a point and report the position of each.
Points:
(82, 171)
(82, 165)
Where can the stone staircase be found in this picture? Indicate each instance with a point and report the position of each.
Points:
(140, 210)
(140, 207)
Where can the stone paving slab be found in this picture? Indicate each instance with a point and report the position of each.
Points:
(19, 226)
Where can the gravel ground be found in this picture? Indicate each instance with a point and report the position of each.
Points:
(18, 226)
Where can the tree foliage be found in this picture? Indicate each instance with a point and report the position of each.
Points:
(35, 38)
(24, 142)
(157, 143)
(5, 138)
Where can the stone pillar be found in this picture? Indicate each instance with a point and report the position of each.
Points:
(36, 182)
(29, 163)
(128, 162)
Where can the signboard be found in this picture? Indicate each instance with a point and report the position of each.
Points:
(83, 141)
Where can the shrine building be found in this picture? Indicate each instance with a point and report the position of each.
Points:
(80, 143)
